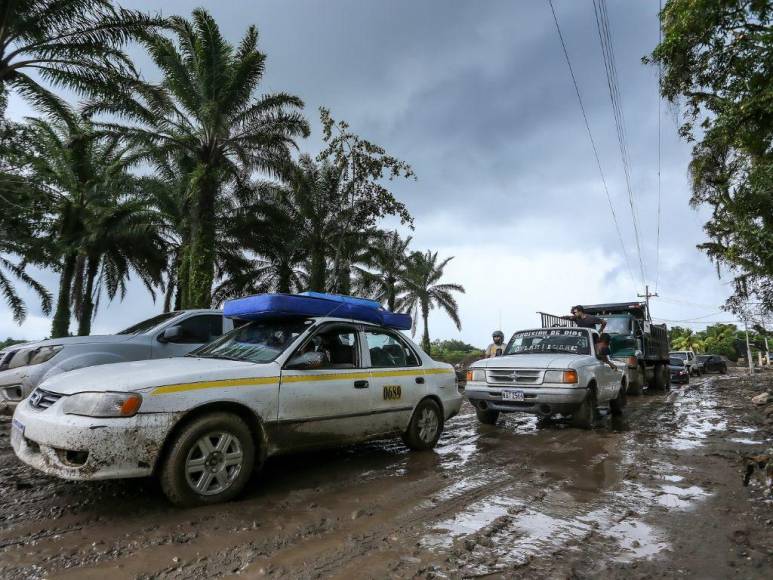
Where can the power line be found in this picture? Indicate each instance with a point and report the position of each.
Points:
(660, 103)
(592, 142)
(610, 67)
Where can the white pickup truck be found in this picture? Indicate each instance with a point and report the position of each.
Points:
(547, 371)
(23, 367)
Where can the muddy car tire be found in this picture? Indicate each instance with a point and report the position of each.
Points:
(425, 427)
(661, 381)
(617, 405)
(487, 417)
(584, 416)
(215, 453)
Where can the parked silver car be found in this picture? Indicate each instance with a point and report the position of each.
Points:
(547, 371)
(165, 335)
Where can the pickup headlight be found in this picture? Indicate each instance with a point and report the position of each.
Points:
(476, 375)
(102, 404)
(33, 356)
(569, 376)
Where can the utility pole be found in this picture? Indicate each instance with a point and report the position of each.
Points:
(748, 348)
(647, 297)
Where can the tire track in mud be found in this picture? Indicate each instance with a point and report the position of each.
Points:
(372, 507)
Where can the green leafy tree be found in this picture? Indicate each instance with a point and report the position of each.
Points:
(716, 59)
(73, 43)
(420, 291)
(363, 171)
(721, 339)
(208, 111)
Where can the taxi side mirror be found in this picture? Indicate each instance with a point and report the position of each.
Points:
(306, 361)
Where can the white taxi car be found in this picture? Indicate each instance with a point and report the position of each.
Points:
(203, 422)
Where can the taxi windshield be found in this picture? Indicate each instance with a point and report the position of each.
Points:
(257, 342)
(549, 340)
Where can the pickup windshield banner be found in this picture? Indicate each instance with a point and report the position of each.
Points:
(546, 341)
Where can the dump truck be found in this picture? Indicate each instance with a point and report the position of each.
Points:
(635, 340)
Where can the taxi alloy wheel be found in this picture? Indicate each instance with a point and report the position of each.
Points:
(425, 427)
(428, 425)
(210, 460)
(214, 463)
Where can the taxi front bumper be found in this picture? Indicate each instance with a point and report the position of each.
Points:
(542, 400)
(86, 448)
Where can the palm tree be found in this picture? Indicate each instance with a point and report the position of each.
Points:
(420, 291)
(386, 263)
(262, 248)
(94, 221)
(73, 43)
(208, 111)
(19, 310)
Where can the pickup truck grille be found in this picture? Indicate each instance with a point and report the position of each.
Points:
(40, 399)
(514, 376)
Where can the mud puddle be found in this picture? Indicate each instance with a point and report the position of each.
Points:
(519, 499)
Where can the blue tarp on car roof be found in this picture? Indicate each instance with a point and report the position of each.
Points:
(262, 306)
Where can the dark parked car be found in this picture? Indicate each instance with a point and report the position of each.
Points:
(679, 372)
(713, 363)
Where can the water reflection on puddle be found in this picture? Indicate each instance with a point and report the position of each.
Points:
(672, 496)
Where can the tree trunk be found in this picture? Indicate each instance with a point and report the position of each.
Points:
(61, 323)
(318, 268)
(425, 345)
(391, 298)
(87, 301)
(343, 278)
(283, 283)
(201, 259)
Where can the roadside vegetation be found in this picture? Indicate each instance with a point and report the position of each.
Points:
(717, 70)
(723, 339)
(197, 186)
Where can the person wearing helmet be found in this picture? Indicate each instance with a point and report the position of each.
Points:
(496, 348)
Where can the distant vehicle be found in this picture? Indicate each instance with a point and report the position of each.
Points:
(288, 379)
(635, 341)
(679, 374)
(713, 363)
(162, 336)
(545, 372)
(689, 359)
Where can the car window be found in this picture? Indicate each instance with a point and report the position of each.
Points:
(149, 324)
(200, 329)
(337, 344)
(387, 350)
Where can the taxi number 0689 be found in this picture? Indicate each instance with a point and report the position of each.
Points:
(392, 392)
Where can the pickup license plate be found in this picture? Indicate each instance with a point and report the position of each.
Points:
(512, 395)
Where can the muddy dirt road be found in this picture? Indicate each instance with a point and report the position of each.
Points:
(657, 494)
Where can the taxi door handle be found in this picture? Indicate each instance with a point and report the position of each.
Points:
(360, 384)
(420, 380)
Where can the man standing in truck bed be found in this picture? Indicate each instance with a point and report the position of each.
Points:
(584, 320)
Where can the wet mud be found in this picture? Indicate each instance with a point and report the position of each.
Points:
(656, 494)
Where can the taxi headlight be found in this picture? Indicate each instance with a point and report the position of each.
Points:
(476, 375)
(102, 404)
(568, 376)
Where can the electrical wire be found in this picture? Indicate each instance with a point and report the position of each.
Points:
(660, 103)
(610, 67)
(593, 143)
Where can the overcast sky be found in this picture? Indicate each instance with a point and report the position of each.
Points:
(477, 97)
